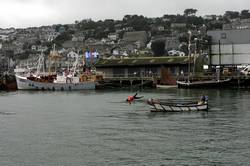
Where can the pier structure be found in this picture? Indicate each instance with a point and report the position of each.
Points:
(132, 81)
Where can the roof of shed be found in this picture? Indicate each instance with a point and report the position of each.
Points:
(142, 61)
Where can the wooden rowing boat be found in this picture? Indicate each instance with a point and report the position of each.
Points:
(160, 106)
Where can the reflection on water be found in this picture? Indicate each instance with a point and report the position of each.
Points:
(100, 128)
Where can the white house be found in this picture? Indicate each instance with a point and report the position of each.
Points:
(39, 48)
(113, 36)
(33, 47)
(176, 53)
(72, 54)
(4, 37)
(160, 28)
(51, 36)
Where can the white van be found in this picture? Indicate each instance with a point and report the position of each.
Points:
(246, 70)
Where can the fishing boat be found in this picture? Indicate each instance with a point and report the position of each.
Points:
(56, 83)
(41, 80)
(161, 106)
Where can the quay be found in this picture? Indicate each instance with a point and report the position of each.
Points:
(240, 81)
(122, 81)
(8, 82)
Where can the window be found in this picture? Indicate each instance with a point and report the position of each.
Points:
(223, 35)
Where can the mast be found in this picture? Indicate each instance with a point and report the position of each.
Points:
(233, 54)
(40, 64)
(219, 53)
(189, 53)
(219, 60)
(75, 65)
(195, 52)
(54, 56)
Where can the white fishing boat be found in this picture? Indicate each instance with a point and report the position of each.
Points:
(67, 80)
(59, 83)
(161, 106)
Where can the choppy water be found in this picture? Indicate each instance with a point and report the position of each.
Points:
(98, 128)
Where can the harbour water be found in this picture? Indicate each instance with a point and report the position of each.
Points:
(98, 128)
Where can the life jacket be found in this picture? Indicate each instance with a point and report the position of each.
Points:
(130, 98)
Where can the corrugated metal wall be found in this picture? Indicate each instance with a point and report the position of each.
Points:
(230, 47)
(230, 54)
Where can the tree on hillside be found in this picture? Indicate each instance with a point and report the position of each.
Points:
(59, 40)
(195, 21)
(190, 12)
(231, 14)
(214, 25)
(86, 24)
(139, 23)
(179, 19)
(158, 47)
(38, 42)
(245, 14)
(26, 46)
(183, 38)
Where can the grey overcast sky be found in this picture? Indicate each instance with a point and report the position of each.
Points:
(30, 13)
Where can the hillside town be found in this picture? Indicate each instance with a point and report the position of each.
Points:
(136, 44)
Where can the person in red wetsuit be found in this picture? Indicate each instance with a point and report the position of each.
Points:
(130, 99)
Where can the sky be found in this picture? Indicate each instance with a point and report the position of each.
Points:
(33, 13)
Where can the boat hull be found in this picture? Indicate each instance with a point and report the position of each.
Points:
(157, 106)
(204, 84)
(25, 84)
(165, 86)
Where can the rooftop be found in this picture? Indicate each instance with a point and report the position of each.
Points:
(142, 61)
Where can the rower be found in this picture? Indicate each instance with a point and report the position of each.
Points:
(203, 99)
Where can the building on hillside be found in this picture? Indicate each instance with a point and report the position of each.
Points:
(51, 36)
(4, 37)
(113, 36)
(61, 29)
(78, 36)
(73, 45)
(160, 28)
(39, 48)
(237, 24)
(178, 25)
(157, 28)
(209, 17)
(172, 43)
(230, 47)
(139, 38)
(72, 54)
